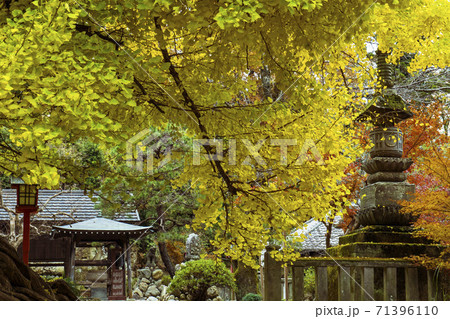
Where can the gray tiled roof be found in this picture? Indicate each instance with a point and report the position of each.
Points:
(61, 207)
(315, 232)
(101, 224)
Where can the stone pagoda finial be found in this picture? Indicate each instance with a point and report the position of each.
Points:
(384, 71)
(386, 107)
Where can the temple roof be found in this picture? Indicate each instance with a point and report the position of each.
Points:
(63, 206)
(99, 228)
(315, 232)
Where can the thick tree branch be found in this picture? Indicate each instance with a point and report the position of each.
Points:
(191, 105)
(144, 92)
(88, 30)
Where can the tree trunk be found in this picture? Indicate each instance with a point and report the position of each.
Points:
(166, 258)
(246, 280)
(328, 235)
(162, 244)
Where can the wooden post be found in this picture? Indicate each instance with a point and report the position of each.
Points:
(286, 283)
(67, 248)
(390, 284)
(272, 277)
(261, 274)
(321, 284)
(124, 267)
(412, 284)
(66, 268)
(368, 283)
(71, 267)
(298, 291)
(344, 284)
(128, 254)
(26, 237)
(357, 274)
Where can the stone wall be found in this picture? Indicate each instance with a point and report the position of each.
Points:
(149, 285)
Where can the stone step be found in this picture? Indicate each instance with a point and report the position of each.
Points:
(384, 250)
(391, 236)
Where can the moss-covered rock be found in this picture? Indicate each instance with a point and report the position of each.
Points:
(17, 280)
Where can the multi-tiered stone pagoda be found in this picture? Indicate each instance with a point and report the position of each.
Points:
(386, 181)
(386, 233)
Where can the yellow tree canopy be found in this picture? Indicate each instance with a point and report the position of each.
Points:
(108, 69)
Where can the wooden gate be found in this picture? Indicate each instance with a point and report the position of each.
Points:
(116, 275)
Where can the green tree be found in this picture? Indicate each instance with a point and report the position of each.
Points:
(167, 209)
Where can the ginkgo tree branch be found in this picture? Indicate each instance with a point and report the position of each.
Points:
(191, 105)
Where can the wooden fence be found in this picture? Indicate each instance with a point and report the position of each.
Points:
(352, 279)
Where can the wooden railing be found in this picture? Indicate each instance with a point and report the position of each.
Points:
(352, 279)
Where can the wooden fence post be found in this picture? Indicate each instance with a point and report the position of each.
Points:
(412, 284)
(368, 283)
(344, 284)
(321, 284)
(72, 257)
(298, 290)
(390, 283)
(272, 277)
(357, 283)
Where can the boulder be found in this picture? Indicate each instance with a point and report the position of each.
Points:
(145, 280)
(143, 286)
(212, 292)
(153, 291)
(152, 298)
(144, 273)
(158, 283)
(137, 294)
(163, 290)
(179, 266)
(157, 274)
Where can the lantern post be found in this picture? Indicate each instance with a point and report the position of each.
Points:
(27, 198)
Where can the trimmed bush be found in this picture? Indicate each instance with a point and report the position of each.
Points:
(251, 297)
(197, 276)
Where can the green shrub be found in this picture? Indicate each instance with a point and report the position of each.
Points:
(310, 282)
(198, 275)
(251, 297)
(166, 279)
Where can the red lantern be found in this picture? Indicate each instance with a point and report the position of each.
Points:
(27, 198)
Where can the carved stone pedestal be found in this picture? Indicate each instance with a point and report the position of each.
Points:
(387, 181)
(379, 203)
